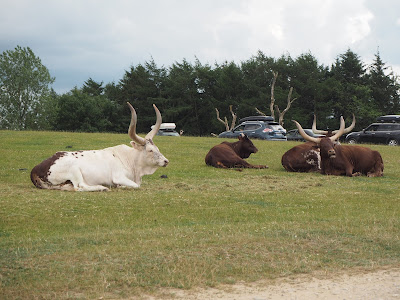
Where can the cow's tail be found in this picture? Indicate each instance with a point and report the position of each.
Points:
(379, 165)
(41, 184)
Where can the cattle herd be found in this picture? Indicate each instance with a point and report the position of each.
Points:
(324, 155)
(124, 166)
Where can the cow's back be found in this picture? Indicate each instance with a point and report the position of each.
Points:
(219, 154)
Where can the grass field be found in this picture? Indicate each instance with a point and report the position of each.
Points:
(201, 226)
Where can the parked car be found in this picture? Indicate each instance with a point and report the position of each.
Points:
(294, 135)
(257, 127)
(167, 129)
(387, 132)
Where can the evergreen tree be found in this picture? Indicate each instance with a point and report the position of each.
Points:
(384, 88)
(349, 92)
(93, 88)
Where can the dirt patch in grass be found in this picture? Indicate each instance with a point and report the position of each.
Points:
(381, 284)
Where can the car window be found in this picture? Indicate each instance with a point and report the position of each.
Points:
(384, 127)
(392, 127)
(239, 128)
(372, 128)
(252, 126)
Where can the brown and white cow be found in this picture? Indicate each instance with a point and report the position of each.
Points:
(302, 158)
(344, 159)
(97, 170)
(306, 157)
(231, 155)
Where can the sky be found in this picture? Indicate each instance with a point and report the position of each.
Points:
(101, 39)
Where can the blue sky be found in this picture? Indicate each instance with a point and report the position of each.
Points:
(81, 39)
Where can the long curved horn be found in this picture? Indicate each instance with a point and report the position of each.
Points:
(305, 135)
(132, 127)
(340, 131)
(348, 129)
(156, 127)
(314, 127)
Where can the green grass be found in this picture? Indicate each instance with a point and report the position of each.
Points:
(201, 226)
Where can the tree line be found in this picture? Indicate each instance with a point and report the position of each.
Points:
(189, 93)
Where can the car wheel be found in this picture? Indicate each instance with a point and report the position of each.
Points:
(393, 142)
(352, 141)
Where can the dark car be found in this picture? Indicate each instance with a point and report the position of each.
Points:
(257, 127)
(294, 135)
(377, 133)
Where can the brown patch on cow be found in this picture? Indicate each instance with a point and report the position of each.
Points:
(41, 172)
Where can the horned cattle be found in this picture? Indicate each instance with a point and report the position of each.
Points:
(97, 170)
(231, 155)
(346, 160)
(306, 157)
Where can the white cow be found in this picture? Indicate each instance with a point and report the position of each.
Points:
(97, 170)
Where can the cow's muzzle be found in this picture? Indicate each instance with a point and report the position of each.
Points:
(331, 153)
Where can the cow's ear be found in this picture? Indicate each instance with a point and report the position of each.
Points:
(136, 146)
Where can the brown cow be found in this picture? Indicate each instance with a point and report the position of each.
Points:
(230, 155)
(344, 159)
(306, 157)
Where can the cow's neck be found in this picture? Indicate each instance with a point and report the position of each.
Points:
(134, 161)
(236, 147)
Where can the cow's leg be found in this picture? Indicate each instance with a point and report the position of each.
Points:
(356, 174)
(125, 183)
(259, 167)
(244, 164)
(349, 171)
(375, 173)
(377, 170)
(92, 188)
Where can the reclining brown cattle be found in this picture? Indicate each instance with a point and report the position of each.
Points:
(231, 155)
(306, 157)
(344, 159)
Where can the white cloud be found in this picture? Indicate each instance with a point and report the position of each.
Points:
(358, 26)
